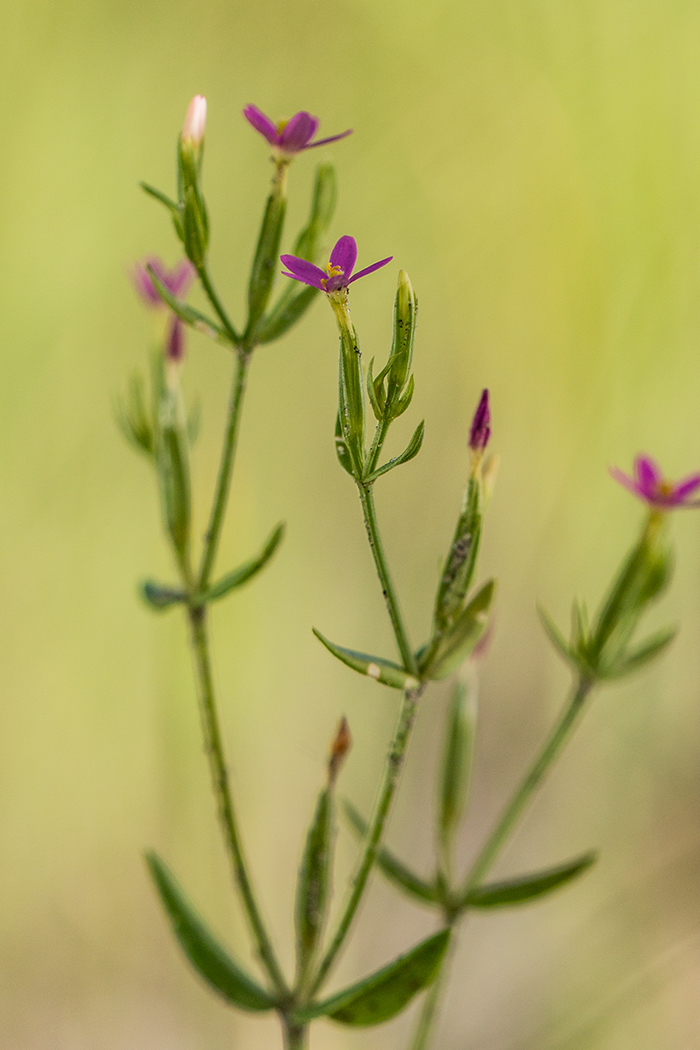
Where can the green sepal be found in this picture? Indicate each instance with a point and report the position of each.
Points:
(195, 226)
(204, 952)
(133, 418)
(385, 993)
(445, 652)
(263, 270)
(187, 313)
(247, 570)
(528, 888)
(373, 666)
(161, 197)
(632, 660)
(404, 401)
(160, 597)
(390, 866)
(411, 450)
(456, 768)
(341, 449)
(291, 304)
(313, 886)
(461, 561)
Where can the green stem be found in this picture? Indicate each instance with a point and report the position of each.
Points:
(550, 750)
(427, 1017)
(294, 1035)
(223, 484)
(392, 770)
(380, 432)
(218, 305)
(392, 601)
(222, 792)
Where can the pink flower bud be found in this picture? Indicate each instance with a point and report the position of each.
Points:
(195, 121)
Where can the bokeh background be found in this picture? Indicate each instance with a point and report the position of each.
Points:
(534, 165)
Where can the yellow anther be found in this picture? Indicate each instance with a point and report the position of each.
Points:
(333, 271)
(281, 125)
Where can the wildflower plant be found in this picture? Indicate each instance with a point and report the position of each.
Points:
(598, 649)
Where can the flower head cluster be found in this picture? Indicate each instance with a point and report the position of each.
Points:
(177, 281)
(649, 484)
(337, 274)
(288, 137)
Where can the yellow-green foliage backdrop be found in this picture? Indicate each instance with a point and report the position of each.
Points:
(535, 166)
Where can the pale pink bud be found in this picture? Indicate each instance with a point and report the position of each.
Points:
(195, 121)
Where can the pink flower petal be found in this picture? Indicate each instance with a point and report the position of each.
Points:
(261, 123)
(332, 138)
(370, 269)
(344, 255)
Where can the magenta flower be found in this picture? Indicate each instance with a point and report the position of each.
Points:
(481, 425)
(337, 272)
(177, 280)
(650, 485)
(288, 137)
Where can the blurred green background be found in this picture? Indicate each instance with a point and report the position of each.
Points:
(534, 165)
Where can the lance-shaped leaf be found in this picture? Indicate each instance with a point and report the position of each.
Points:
(133, 417)
(457, 756)
(385, 993)
(187, 313)
(373, 666)
(313, 887)
(446, 652)
(528, 887)
(172, 461)
(204, 952)
(555, 636)
(247, 570)
(633, 659)
(411, 450)
(390, 866)
(161, 198)
(160, 597)
(263, 270)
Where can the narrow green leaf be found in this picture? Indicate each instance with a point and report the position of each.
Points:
(247, 570)
(554, 634)
(390, 866)
(204, 952)
(285, 314)
(264, 268)
(411, 450)
(133, 418)
(313, 887)
(161, 197)
(455, 645)
(372, 392)
(172, 461)
(385, 993)
(632, 660)
(528, 887)
(457, 758)
(372, 666)
(187, 313)
(405, 400)
(160, 597)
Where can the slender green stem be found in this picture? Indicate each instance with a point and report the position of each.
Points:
(380, 432)
(294, 1035)
(550, 750)
(390, 779)
(392, 601)
(218, 510)
(218, 305)
(219, 773)
(427, 1017)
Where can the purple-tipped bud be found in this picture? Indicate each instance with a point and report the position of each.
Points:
(481, 430)
(195, 121)
(342, 742)
(175, 342)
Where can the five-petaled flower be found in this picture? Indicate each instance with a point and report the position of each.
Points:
(177, 281)
(288, 137)
(338, 272)
(650, 485)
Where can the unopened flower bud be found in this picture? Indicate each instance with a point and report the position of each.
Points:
(480, 429)
(342, 743)
(175, 342)
(195, 122)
